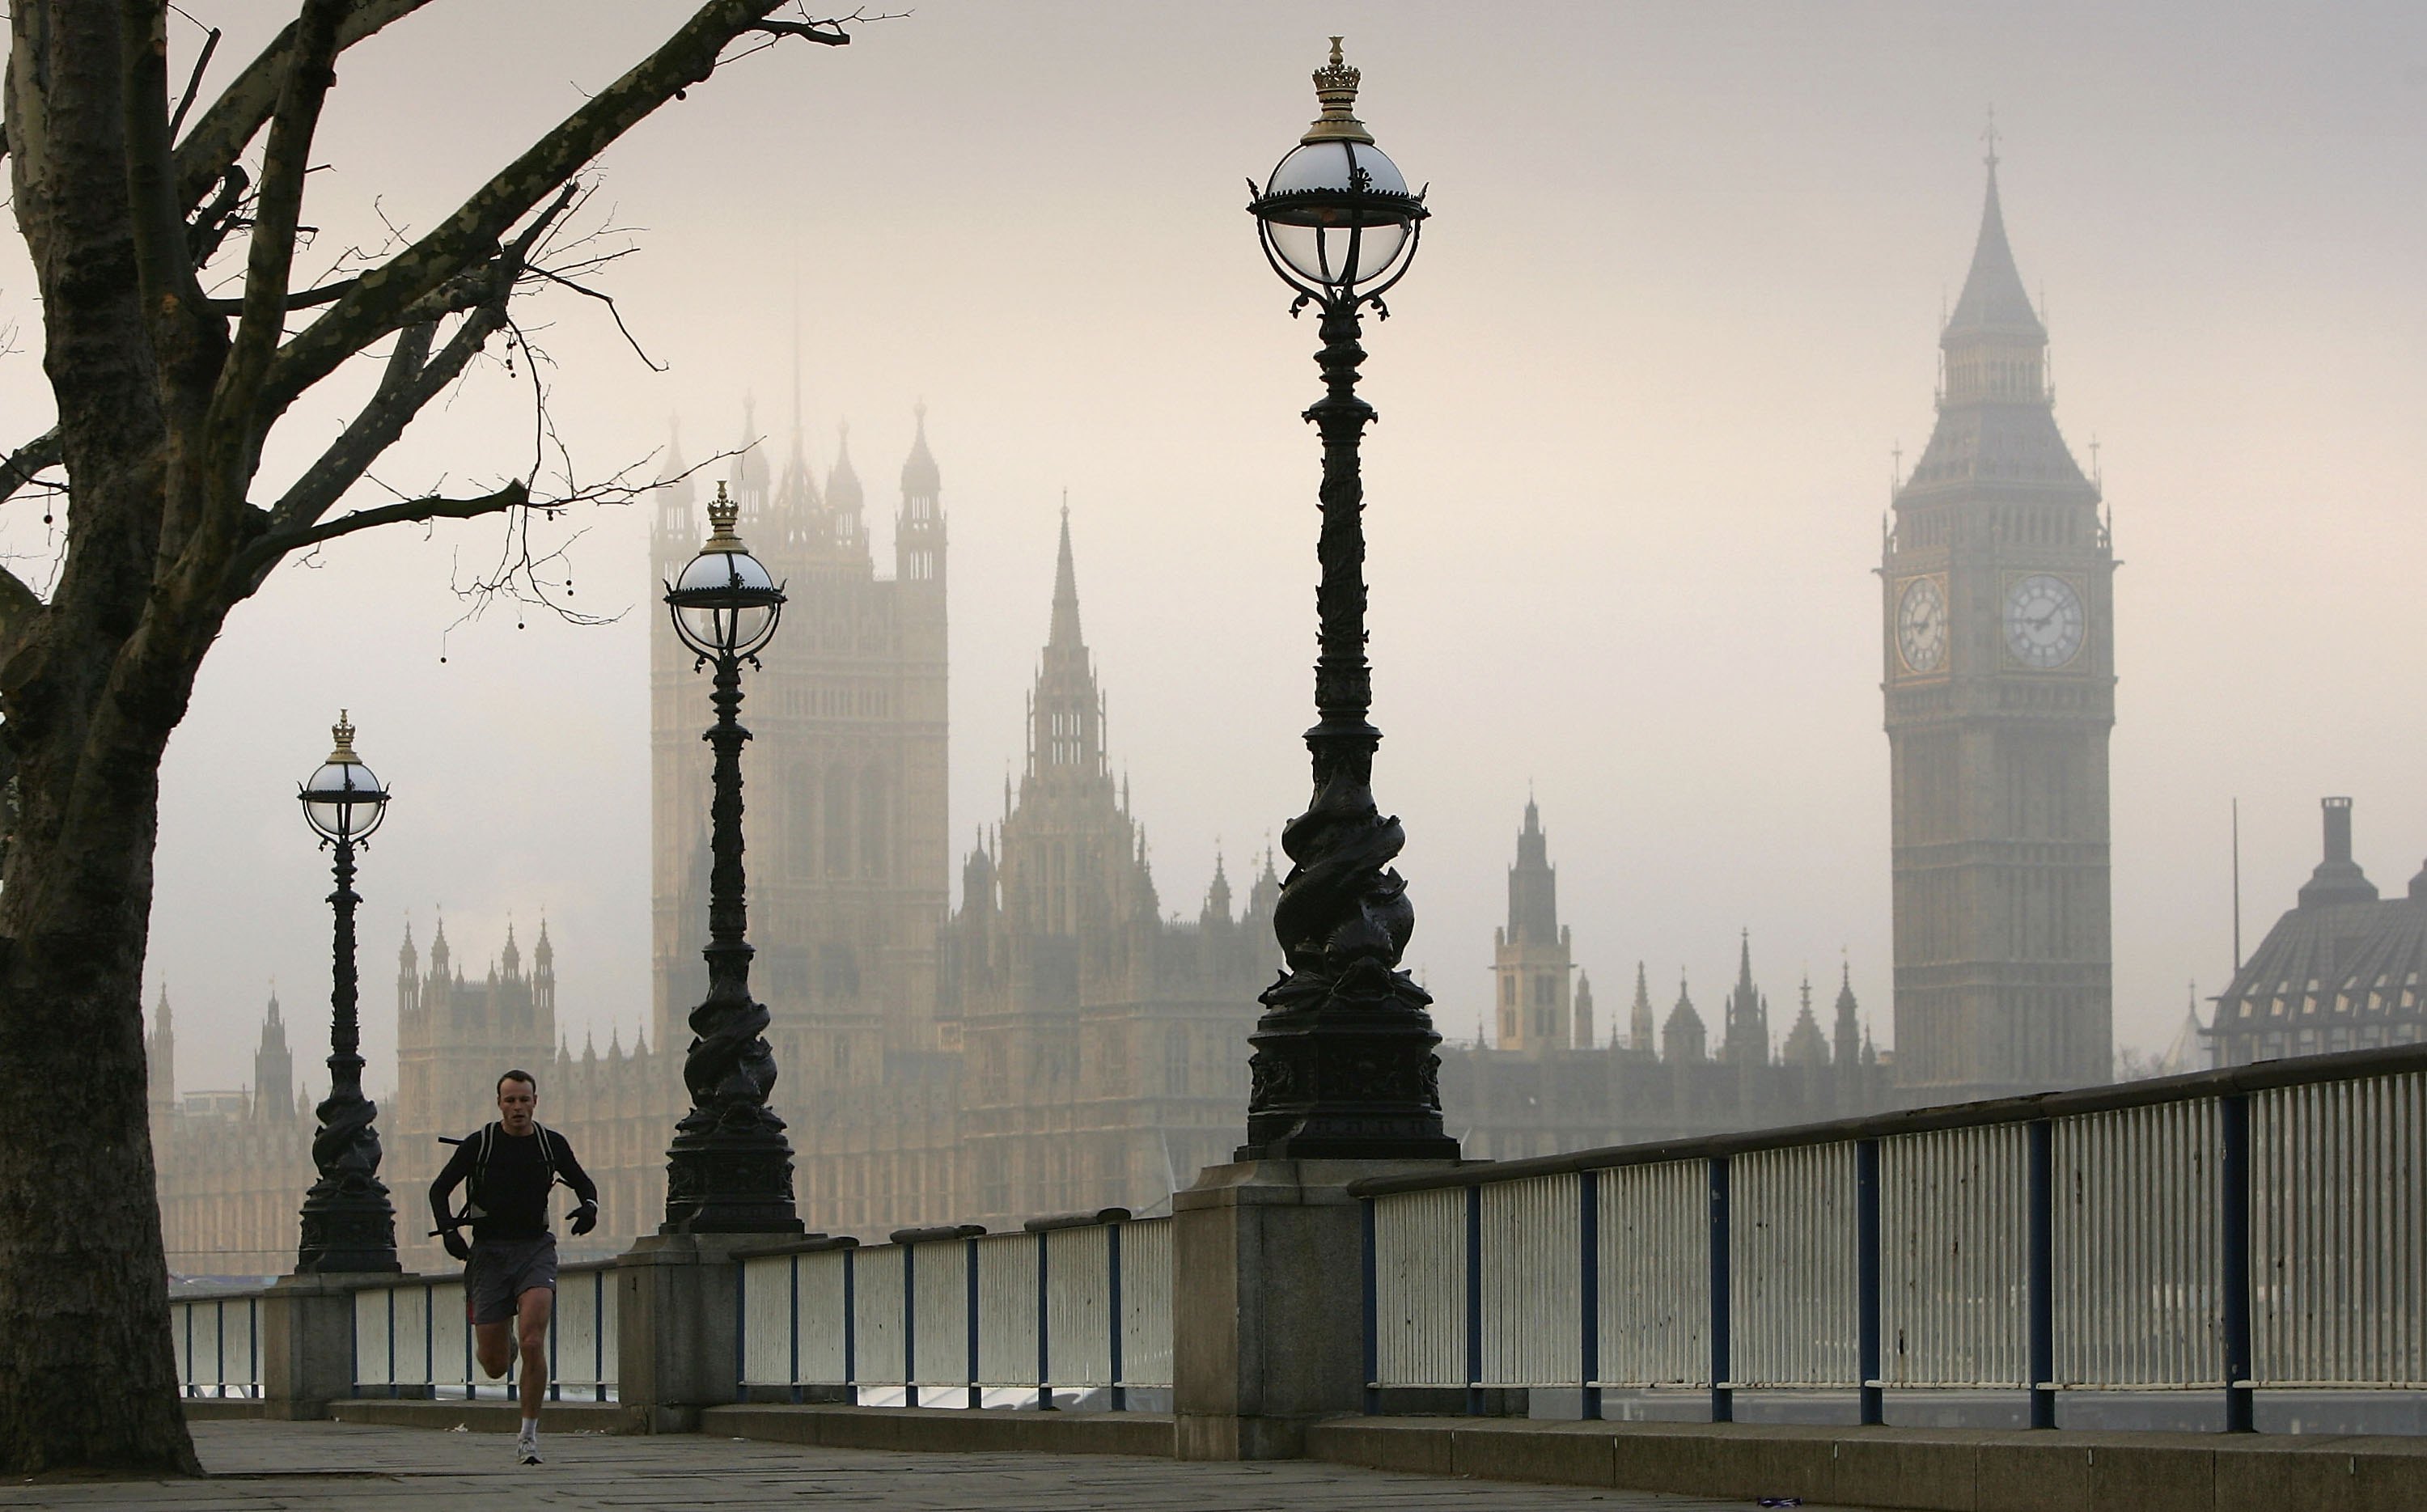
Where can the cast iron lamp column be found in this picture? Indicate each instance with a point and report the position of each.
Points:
(730, 1169)
(1343, 1065)
(348, 1222)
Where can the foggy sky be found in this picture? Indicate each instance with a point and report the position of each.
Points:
(1678, 303)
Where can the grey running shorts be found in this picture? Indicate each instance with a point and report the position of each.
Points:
(501, 1269)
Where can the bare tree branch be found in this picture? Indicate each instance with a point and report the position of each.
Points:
(27, 462)
(609, 301)
(512, 495)
(270, 257)
(377, 304)
(309, 299)
(194, 82)
(224, 129)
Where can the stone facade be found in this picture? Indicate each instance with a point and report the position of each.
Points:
(1998, 666)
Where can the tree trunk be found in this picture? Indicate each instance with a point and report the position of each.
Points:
(90, 1377)
(89, 699)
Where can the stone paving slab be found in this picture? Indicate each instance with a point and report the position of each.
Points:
(306, 1467)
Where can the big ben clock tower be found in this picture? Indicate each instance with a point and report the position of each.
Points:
(1997, 598)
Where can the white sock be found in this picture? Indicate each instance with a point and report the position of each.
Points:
(530, 1427)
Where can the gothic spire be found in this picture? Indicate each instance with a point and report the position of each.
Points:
(1994, 299)
(1065, 634)
(919, 478)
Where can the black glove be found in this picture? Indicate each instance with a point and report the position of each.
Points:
(453, 1241)
(585, 1218)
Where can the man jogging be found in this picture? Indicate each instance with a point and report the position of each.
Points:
(510, 1274)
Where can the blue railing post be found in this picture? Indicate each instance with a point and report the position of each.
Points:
(1373, 1314)
(393, 1389)
(1723, 1407)
(977, 1393)
(1589, 1288)
(1113, 1321)
(554, 1386)
(219, 1310)
(909, 1327)
(192, 1387)
(1043, 1329)
(598, 1336)
(2040, 1137)
(1866, 1281)
(850, 1329)
(2233, 1172)
(1475, 1301)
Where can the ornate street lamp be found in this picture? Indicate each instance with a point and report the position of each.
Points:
(730, 1169)
(348, 1222)
(1343, 1065)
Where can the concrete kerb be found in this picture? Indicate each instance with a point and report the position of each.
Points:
(1922, 1470)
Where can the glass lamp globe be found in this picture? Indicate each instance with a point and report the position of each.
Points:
(724, 604)
(1336, 211)
(343, 800)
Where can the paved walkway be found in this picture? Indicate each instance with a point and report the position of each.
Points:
(266, 1466)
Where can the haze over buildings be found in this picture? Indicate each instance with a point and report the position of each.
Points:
(1632, 456)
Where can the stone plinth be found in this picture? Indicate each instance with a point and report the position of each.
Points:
(1268, 1304)
(307, 1341)
(678, 1345)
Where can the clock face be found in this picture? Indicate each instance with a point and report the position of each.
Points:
(1921, 626)
(2044, 623)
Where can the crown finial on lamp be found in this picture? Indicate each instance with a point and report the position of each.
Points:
(721, 513)
(342, 733)
(1335, 86)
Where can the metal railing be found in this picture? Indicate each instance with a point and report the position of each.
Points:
(218, 1339)
(959, 1317)
(413, 1337)
(2256, 1228)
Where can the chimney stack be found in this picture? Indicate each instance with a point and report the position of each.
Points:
(2338, 878)
(2337, 812)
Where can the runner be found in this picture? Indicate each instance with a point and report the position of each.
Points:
(509, 1270)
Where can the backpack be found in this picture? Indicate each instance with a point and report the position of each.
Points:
(488, 1138)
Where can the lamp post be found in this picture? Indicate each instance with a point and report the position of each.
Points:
(1343, 1065)
(348, 1222)
(730, 1169)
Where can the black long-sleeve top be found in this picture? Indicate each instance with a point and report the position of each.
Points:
(511, 1196)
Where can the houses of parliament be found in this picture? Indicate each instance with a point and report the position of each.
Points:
(1059, 1040)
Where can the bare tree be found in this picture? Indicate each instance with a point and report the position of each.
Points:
(165, 397)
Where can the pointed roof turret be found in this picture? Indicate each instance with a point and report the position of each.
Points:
(919, 477)
(1845, 1043)
(543, 953)
(1217, 897)
(1065, 634)
(1994, 299)
(1640, 1031)
(438, 952)
(1683, 1037)
(1804, 1044)
(511, 958)
(408, 960)
(843, 490)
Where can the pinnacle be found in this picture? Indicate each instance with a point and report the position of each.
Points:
(1993, 297)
